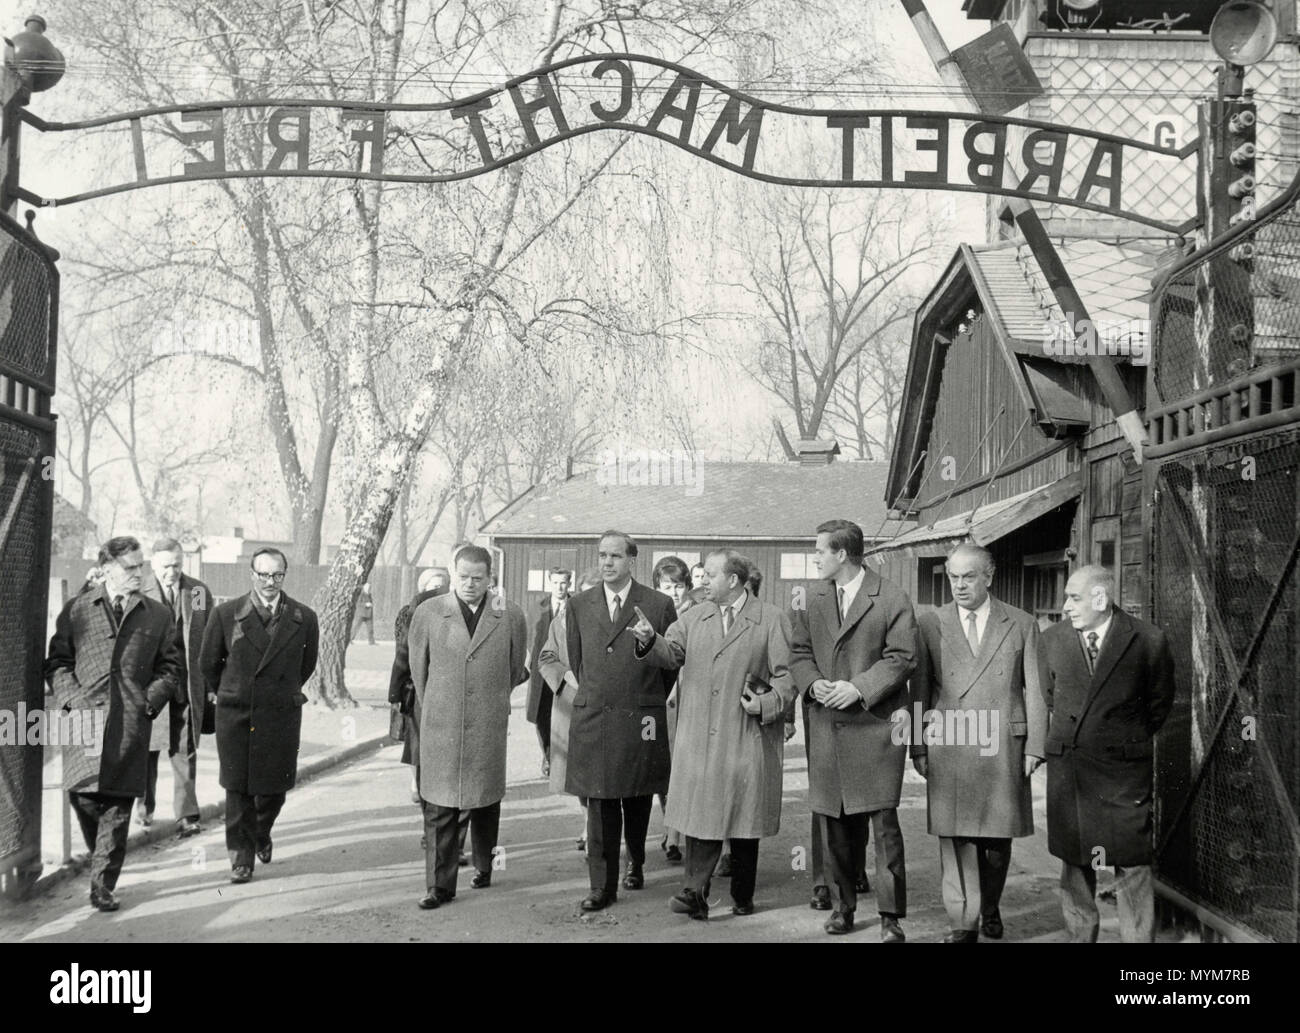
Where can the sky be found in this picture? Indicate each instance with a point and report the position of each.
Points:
(728, 428)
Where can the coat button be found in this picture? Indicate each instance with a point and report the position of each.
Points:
(715, 692)
(713, 731)
(839, 724)
(609, 649)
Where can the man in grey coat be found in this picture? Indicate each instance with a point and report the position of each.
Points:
(977, 730)
(467, 651)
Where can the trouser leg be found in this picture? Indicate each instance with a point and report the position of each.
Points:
(959, 865)
(744, 869)
(636, 825)
(241, 828)
(86, 808)
(994, 859)
(484, 827)
(267, 808)
(110, 841)
(442, 828)
(1135, 898)
(891, 866)
(1079, 902)
(841, 835)
(150, 799)
(184, 762)
(604, 836)
(700, 858)
(818, 858)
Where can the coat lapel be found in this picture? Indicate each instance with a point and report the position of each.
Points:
(740, 623)
(1118, 636)
(996, 628)
(862, 602)
(285, 628)
(251, 622)
(488, 622)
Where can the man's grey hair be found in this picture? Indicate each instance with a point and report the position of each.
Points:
(979, 552)
(1096, 575)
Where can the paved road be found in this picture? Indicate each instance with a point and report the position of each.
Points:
(348, 867)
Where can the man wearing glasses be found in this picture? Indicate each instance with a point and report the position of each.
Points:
(258, 650)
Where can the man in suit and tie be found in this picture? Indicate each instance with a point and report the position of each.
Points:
(468, 651)
(113, 666)
(1108, 679)
(190, 602)
(538, 709)
(852, 652)
(977, 675)
(258, 651)
(618, 735)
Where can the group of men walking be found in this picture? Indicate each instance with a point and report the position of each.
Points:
(137, 652)
(977, 694)
(1087, 696)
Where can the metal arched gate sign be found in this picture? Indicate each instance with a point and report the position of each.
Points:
(405, 143)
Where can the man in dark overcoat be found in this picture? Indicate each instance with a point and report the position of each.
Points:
(618, 737)
(113, 667)
(258, 651)
(1108, 679)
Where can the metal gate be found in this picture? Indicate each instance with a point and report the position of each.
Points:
(29, 291)
(1224, 535)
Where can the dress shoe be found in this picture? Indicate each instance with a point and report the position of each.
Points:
(598, 900)
(991, 925)
(962, 936)
(821, 899)
(674, 854)
(103, 899)
(745, 907)
(462, 861)
(890, 930)
(839, 923)
(241, 873)
(582, 844)
(435, 898)
(264, 852)
(688, 902)
(634, 879)
(862, 886)
(724, 867)
(187, 827)
(146, 818)
(481, 880)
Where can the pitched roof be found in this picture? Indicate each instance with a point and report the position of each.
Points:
(724, 500)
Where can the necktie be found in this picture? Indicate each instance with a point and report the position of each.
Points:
(614, 607)
(117, 609)
(1092, 651)
(972, 634)
(726, 620)
(841, 605)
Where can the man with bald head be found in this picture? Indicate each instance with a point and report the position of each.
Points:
(983, 724)
(1108, 680)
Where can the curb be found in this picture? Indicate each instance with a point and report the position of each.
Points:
(209, 812)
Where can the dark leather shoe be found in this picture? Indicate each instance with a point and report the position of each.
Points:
(674, 854)
(724, 867)
(241, 873)
(435, 898)
(991, 926)
(635, 877)
(598, 900)
(890, 930)
(688, 902)
(582, 845)
(187, 827)
(481, 880)
(839, 923)
(862, 886)
(742, 907)
(821, 899)
(264, 852)
(962, 936)
(103, 900)
(462, 861)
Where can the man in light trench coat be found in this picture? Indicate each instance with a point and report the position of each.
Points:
(732, 694)
(981, 734)
(467, 653)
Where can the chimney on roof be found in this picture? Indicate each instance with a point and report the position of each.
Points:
(816, 452)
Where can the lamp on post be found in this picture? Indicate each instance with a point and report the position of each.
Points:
(32, 64)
